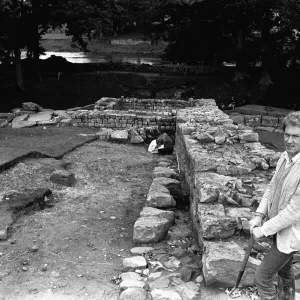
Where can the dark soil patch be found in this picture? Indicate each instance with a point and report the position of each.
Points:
(39, 142)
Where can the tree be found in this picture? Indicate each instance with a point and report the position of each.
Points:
(244, 31)
(14, 32)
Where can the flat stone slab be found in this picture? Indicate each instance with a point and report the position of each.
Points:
(14, 203)
(130, 276)
(160, 200)
(133, 263)
(22, 122)
(158, 294)
(155, 212)
(41, 116)
(140, 250)
(221, 264)
(150, 229)
(119, 135)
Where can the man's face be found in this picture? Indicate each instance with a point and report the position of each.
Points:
(292, 140)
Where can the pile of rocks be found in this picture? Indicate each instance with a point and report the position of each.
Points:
(168, 270)
(162, 272)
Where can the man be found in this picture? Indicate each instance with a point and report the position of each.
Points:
(280, 205)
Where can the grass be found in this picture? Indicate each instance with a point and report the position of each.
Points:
(54, 142)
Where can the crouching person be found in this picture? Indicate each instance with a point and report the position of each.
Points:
(280, 206)
(162, 145)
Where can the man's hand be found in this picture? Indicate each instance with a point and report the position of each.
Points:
(255, 222)
(257, 234)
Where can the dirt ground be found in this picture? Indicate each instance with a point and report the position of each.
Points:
(83, 237)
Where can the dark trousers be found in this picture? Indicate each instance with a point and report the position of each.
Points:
(275, 263)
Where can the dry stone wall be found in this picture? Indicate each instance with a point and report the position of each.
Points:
(111, 113)
(227, 171)
(259, 117)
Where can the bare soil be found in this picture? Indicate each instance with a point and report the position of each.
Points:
(86, 230)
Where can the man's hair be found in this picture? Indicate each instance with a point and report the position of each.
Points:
(292, 119)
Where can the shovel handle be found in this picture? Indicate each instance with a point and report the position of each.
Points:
(243, 266)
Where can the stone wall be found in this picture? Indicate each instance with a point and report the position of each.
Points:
(259, 117)
(227, 171)
(112, 113)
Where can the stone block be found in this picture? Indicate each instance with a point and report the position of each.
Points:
(209, 185)
(130, 264)
(221, 264)
(215, 224)
(160, 200)
(130, 276)
(154, 212)
(140, 250)
(169, 294)
(119, 135)
(41, 116)
(220, 139)
(134, 294)
(150, 229)
(30, 106)
(22, 122)
(135, 137)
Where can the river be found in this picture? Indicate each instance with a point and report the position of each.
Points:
(92, 57)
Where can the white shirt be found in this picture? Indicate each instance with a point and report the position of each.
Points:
(290, 161)
(153, 147)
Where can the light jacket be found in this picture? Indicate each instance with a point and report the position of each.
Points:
(287, 223)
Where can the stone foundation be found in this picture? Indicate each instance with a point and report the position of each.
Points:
(259, 117)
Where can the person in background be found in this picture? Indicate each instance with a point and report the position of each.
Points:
(162, 145)
(280, 207)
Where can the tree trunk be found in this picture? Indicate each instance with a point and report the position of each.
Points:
(19, 76)
(241, 65)
(265, 78)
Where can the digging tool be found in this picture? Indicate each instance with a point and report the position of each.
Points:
(243, 267)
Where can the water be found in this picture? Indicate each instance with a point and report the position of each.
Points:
(82, 57)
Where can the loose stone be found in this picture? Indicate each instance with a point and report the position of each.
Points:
(133, 263)
(158, 294)
(140, 250)
(132, 284)
(134, 294)
(130, 276)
